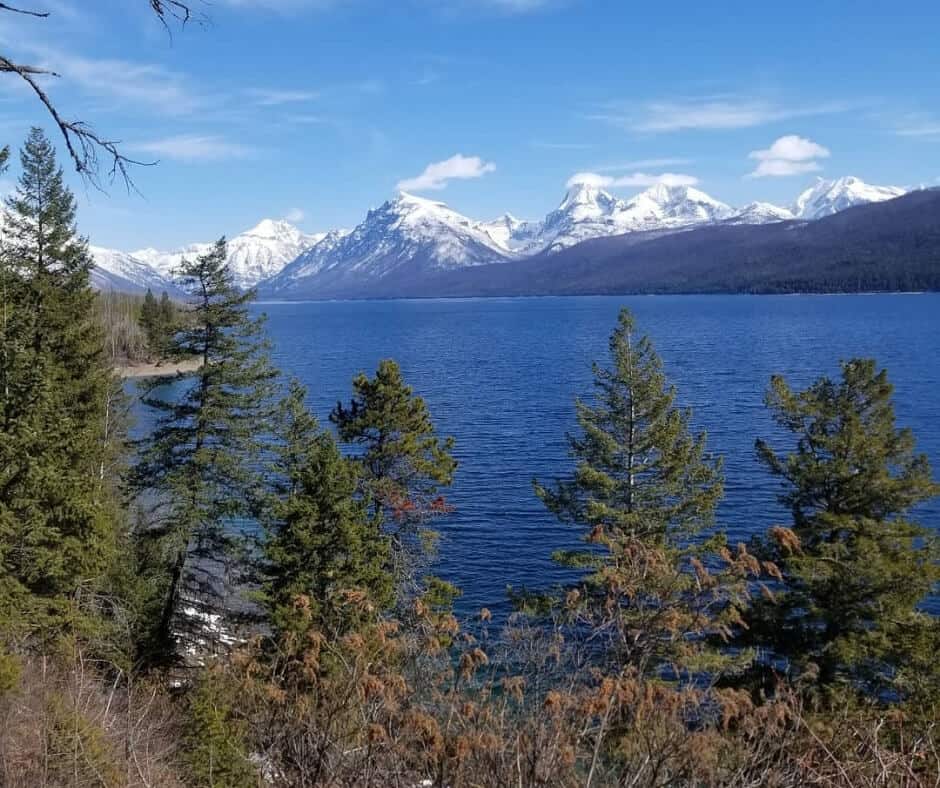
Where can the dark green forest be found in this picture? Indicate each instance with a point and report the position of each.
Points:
(244, 596)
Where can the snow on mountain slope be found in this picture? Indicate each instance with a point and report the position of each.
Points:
(265, 249)
(512, 234)
(407, 232)
(308, 264)
(828, 197)
(760, 213)
(125, 273)
(588, 211)
(253, 256)
(409, 235)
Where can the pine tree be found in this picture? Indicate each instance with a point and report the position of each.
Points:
(405, 465)
(323, 543)
(168, 324)
(855, 568)
(644, 487)
(158, 321)
(149, 320)
(60, 431)
(201, 463)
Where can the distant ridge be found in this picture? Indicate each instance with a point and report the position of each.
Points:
(414, 244)
(887, 246)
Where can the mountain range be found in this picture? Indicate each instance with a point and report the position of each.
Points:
(412, 238)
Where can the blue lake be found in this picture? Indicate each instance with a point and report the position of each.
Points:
(501, 375)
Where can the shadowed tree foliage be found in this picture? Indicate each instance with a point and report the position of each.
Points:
(323, 543)
(60, 413)
(405, 465)
(159, 322)
(643, 488)
(200, 467)
(855, 567)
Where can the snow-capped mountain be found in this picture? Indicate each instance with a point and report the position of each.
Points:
(253, 256)
(308, 264)
(588, 211)
(408, 232)
(125, 273)
(828, 197)
(410, 235)
(760, 213)
(512, 234)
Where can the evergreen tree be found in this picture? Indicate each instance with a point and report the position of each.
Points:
(60, 431)
(855, 567)
(149, 320)
(643, 488)
(201, 464)
(323, 543)
(404, 463)
(158, 321)
(168, 324)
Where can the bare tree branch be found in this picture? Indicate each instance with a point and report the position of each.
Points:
(83, 143)
(26, 11)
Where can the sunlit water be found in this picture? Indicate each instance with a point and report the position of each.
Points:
(501, 375)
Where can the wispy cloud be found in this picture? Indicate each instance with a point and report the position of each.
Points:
(788, 155)
(264, 97)
(139, 83)
(920, 127)
(548, 145)
(713, 113)
(437, 175)
(634, 179)
(294, 215)
(193, 148)
(642, 164)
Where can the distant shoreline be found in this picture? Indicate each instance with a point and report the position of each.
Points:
(166, 369)
(692, 294)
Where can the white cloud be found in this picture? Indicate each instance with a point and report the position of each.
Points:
(193, 147)
(274, 98)
(640, 179)
(437, 175)
(788, 155)
(712, 113)
(294, 215)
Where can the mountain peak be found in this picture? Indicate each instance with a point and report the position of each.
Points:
(584, 193)
(272, 228)
(827, 197)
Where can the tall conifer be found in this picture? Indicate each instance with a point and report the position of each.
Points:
(59, 427)
(201, 464)
(405, 464)
(323, 542)
(643, 489)
(855, 565)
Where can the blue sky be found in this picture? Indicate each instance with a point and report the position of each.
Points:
(317, 110)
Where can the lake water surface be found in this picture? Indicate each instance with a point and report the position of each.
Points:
(501, 375)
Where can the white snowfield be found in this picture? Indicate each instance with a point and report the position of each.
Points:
(414, 232)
